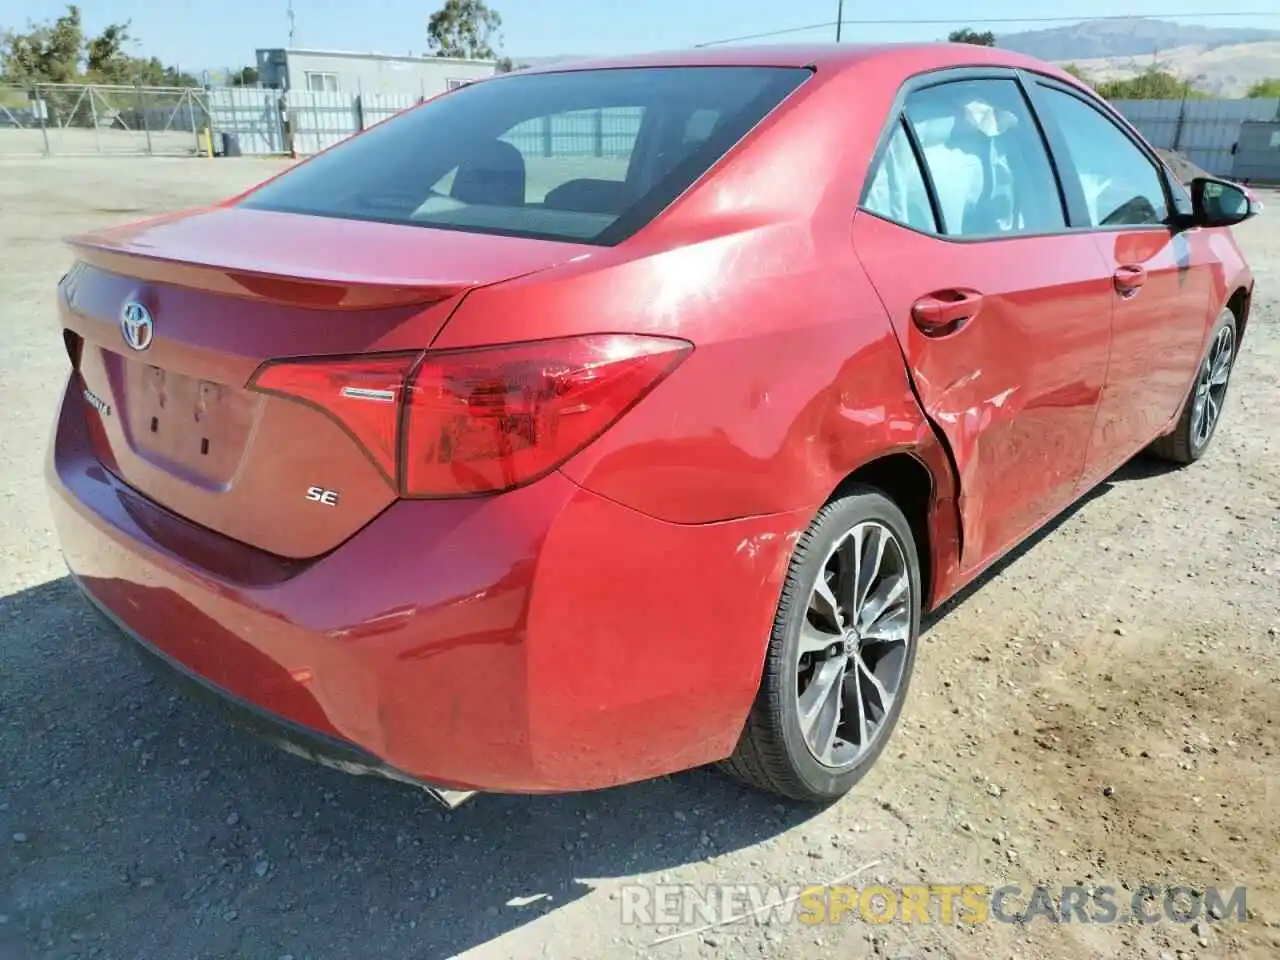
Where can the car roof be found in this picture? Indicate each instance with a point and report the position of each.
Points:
(900, 59)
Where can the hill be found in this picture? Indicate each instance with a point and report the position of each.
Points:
(1132, 36)
(1223, 61)
(1226, 71)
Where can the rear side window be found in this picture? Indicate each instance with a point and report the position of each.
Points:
(986, 158)
(897, 189)
(1121, 185)
(589, 156)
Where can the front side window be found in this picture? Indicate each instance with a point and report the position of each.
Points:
(1121, 186)
(986, 158)
(897, 189)
(587, 155)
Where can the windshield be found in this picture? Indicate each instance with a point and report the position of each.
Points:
(588, 156)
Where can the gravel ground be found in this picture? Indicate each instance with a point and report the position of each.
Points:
(1104, 709)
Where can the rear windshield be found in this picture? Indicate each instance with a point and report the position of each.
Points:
(588, 156)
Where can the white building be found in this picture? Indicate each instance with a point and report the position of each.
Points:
(337, 71)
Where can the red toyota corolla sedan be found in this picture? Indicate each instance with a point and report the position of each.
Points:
(583, 425)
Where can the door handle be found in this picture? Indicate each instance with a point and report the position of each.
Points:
(939, 314)
(1129, 278)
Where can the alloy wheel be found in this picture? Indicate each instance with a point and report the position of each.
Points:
(853, 644)
(1211, 386)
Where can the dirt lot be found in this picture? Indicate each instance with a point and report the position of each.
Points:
(74, 142)
(1105, 709)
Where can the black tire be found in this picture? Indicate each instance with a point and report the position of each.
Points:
(1183, 445)
(772, 754)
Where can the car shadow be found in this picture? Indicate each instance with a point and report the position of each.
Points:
(139, 804)
(1141, 467)
(1144, 467)
(944, 610)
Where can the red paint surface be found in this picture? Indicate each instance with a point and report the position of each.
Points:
(607, 622)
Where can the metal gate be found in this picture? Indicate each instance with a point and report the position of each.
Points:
(69, 119)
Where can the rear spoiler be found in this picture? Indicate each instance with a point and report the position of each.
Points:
(252, 284)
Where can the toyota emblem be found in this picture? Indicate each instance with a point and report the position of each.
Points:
(136, 325)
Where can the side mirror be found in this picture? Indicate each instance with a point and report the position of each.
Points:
(1220, 203)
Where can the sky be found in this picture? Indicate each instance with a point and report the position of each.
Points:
(225, 33)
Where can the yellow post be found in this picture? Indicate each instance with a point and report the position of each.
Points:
(208, 142)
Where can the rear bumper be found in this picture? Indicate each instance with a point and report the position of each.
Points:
(540, 641)
(291, 737)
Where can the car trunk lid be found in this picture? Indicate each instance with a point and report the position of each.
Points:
(168, 321)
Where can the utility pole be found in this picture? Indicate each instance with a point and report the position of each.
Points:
(291, 24)
(839, 18)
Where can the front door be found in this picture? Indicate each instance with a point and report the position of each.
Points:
(1003, 315)
(1162, 277)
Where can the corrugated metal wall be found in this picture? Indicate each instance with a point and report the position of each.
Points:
(1203, 130)
(377, 107)
(1258, 158)
(252, 115)
(320, 120)
(610, 132)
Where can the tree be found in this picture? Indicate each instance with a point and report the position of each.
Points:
(173, 77)
(45, 53)
(1076, 72)
(463, 28)
(106, 60)
(58, 52)
(245, 77)
(1270, 87)
(149, 72)
(965, 35)
(1151, 84)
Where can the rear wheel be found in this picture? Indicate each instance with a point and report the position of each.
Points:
(1203, 408)
(840, 656)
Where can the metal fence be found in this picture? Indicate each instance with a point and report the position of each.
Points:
(1258, 159)
(262, 122)
(252, 116)
(608, 132)
(69, 119)
(1205, 131)
(72, 118)
(316, 121)
(319, 120)
(300, 121)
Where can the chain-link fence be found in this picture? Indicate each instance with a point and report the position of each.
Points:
(67, 119)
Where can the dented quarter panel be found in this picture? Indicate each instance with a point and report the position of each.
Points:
(795, 379)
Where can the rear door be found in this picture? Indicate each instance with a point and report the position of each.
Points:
(1002, 313)
(1162, 276)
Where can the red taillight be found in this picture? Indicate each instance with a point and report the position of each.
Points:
(480, 421)
(362, 394)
